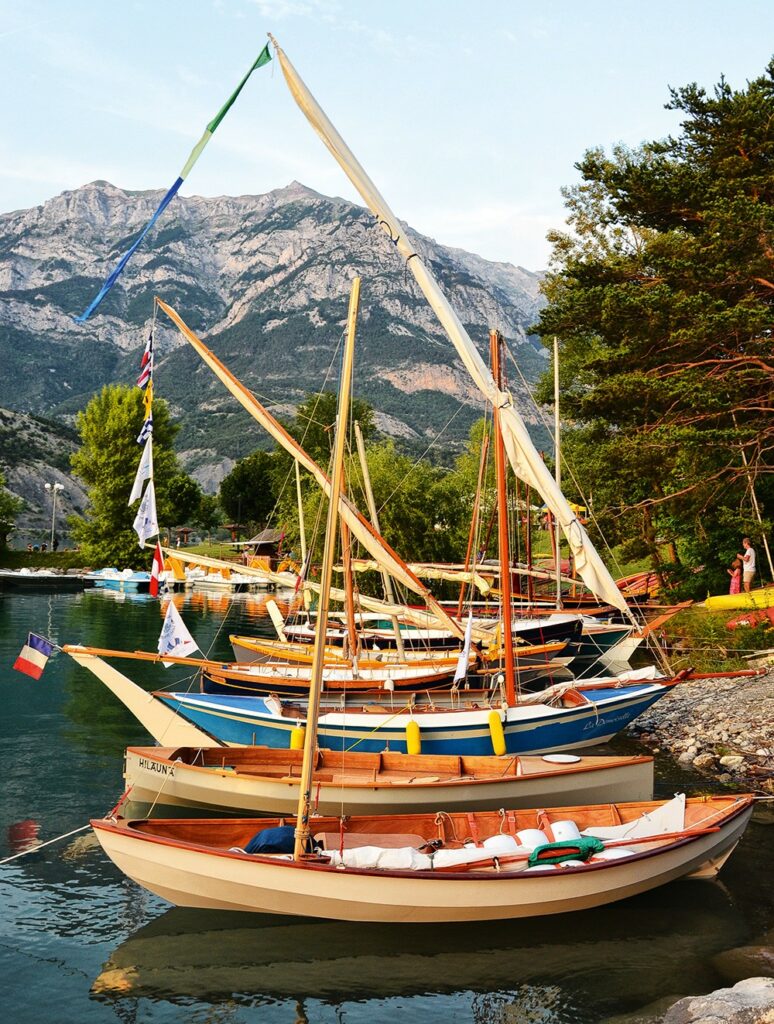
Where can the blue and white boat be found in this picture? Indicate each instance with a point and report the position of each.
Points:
(124, 580)
(578, 716)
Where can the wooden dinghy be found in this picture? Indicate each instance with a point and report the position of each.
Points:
(432, 867)
(253, 780)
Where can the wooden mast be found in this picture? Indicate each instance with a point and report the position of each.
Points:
(318, 657)
(495, 344)
(389, 593)
(557, 475)
(301, 533)
(474, 516)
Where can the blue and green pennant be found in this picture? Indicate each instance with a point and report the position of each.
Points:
(263, 58)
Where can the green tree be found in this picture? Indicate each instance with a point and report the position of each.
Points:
(247, 493)
(209, 515)
(10, 507)
(662, 298)
(315, 417)
(107, 463)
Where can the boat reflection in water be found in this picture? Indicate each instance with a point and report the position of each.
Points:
(577, 968)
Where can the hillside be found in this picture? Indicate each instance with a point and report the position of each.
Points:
(265, 280)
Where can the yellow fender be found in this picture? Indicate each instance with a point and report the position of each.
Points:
(413, 738)
(297, 737)
(497, 733)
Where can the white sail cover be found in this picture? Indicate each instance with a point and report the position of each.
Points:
(374, 544)
(524, 457)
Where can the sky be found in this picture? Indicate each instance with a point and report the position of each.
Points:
(468, 114)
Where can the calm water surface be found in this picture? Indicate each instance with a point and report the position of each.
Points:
(78, 942)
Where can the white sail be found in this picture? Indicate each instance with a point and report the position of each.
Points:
(375, 545)
(524, 457)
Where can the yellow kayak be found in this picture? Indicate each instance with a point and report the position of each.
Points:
(763, 598)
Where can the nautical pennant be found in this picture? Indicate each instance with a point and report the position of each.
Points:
(263, 58)
(146, 524)
(175, 638)
(145, 431)
(146, 363)
(144, 470)
(464, 659)
(156, 570)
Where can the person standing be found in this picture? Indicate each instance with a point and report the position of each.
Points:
(748, 564)
(735, 572)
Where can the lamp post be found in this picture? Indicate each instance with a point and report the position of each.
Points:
(54, 488)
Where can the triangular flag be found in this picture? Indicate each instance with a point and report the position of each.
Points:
(175, 638)
(146, 524)
(462, 662)
(156, 570)
(144, 471)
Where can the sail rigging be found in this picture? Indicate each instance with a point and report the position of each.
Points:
(522, 454)
(376, 546)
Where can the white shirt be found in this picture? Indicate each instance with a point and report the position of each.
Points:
(749, 561)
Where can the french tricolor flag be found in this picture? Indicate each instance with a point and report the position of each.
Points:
(33, 656)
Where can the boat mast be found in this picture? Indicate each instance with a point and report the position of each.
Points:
(495, 345)
(374, 514)
(557, 474)
(474, 516)
(318, 656)
(301, 531)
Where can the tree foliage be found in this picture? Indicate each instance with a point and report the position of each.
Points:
(107, 463)
(247, 494)
(662, 298)
(10, 507)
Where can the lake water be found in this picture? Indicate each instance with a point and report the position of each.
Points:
(80, 943)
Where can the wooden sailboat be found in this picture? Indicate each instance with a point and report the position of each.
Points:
(431, 867)
(253, 780)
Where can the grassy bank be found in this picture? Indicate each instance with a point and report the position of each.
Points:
(701, 639)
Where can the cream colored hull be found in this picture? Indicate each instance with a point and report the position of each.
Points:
(194, 877)
(160, 784)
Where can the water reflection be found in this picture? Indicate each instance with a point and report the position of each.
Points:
(573, 968)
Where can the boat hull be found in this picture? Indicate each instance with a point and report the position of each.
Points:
(763, 598)
(157, 779)
(527, 729)
(191, 876)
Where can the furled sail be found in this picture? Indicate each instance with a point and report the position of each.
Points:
(374, 544)
(524, 457)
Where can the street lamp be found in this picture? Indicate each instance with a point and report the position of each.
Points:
(54, 488)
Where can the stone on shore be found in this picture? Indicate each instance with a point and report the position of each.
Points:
(745, 962)
(749, 1002)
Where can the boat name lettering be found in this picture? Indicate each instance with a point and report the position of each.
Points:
(154, 766)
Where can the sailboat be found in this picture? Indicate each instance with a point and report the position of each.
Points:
(427, 867)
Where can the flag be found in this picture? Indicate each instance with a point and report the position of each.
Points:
(144, 470)
(175, 638)
(146, 430)
(263, 58)
(156, 570)
(146, 523)
(462, 662)
(303, 571)
(146, 363)
(147, 401)
(33, 656)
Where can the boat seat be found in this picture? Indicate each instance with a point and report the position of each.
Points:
(386, 840)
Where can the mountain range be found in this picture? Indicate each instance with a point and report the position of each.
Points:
(264, 280)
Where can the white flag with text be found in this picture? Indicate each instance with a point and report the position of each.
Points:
(146, 524)
(175, 638)
(144, 471)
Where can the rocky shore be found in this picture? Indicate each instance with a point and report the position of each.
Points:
(723, 728)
